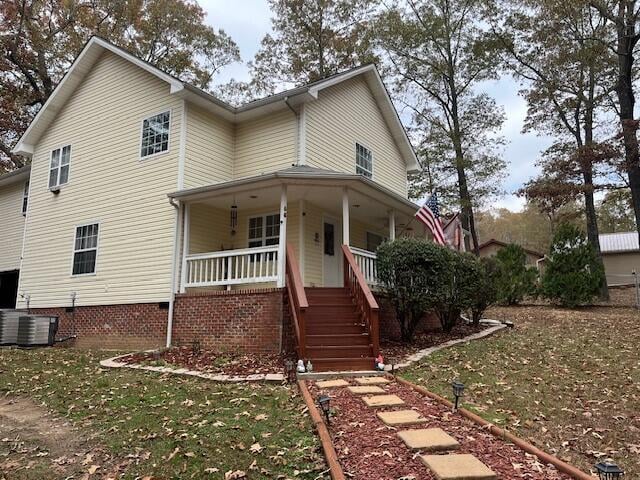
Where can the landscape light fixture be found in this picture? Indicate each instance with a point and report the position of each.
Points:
(324, 402)
(392, 361)
(290, 370)
(608, 470)
(458, 390)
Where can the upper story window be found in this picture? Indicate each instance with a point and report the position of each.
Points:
(25, 198)
(59, 168)
(85, 249)
(264, 230)
(364, 161)
(155, 134)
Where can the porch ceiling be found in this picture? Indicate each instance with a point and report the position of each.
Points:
(369, 201)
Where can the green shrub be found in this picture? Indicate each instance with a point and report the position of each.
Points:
(410, 270)
(485, 292)
(514, 279)
(457, 288)
(572, 275)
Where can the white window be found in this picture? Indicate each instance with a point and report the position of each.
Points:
(59, 168)
(155, 134)
(264, 230)
(85, 249)
(25, 198)
(364, 161)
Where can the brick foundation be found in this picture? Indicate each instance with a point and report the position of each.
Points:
(134, 326)
(389, 326)
(237, 320)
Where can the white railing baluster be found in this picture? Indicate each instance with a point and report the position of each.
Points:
(366, 262)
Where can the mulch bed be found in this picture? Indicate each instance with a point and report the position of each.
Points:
(399, 350)
(210, 361)
(369, 449)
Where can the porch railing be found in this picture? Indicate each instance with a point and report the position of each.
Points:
(361, 293)
(297, 300)
(366, 261)
(230, 267)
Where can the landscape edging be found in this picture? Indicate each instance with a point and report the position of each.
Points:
(419, 355)
(545, 457)
(258, 377)
(330, 454)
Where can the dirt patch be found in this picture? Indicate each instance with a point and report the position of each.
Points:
(35, 444)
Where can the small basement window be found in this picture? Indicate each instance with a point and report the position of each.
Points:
(155, 134)
(85, 249)
(364, 161)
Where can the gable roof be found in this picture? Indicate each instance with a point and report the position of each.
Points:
(619, 242)
(292, 97)
(493, 241)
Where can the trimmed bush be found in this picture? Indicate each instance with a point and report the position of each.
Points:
(572, 276)
(485, 292)
(457, 288)
(514, 279)
(410, 271)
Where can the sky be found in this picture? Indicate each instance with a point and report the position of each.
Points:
(246, 21)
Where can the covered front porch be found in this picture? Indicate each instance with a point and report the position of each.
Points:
(235, 235)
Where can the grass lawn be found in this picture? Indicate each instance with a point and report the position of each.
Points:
(145, 424)
(566, 380)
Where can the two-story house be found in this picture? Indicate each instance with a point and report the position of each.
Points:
(156, 212)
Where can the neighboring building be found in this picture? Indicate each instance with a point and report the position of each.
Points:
(14, 193)
(154, 204)
(621, 257)
(491, 248)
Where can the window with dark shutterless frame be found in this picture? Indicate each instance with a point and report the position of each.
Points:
(85, 249)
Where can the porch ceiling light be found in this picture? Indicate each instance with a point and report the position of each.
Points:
(324, 402)
(458, 391)
(608, 470)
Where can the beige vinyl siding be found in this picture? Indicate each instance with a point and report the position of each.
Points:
(358, 233)
(265, 145)
(618, 267)
(347, 114)
(209, 149)
(108, 184)
(11, 225)
(312, 248)
(209, 230)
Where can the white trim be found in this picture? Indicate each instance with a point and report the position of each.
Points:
(392, 225)
(174, 271)
(327, 218)
(183, 145)
(186, 218)
(147, 117)
(97, 248)
(345, 216)
(282, 241)
(24, 238)
(264, 237)
(301, 237)
(302, 136)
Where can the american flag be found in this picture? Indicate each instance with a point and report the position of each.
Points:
(429, 214)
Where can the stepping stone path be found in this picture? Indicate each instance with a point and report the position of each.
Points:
(444, 467)
(458, 467)
(383, 401)
(401, 417)
(332, 384)
(364, 390)
(430, 439)
(371, 380)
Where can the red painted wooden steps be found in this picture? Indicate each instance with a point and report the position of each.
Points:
(337, 339)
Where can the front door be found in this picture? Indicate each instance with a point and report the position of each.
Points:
(332, 255)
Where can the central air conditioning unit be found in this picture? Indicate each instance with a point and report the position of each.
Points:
(19, 328)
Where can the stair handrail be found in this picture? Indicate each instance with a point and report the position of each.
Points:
(298, 303)
(365, 301)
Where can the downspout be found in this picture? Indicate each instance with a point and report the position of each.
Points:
(176, 238)
(299, 132)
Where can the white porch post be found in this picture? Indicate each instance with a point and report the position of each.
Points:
(345, 216)
(392, 225)
(186, 218)
(282, 241)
